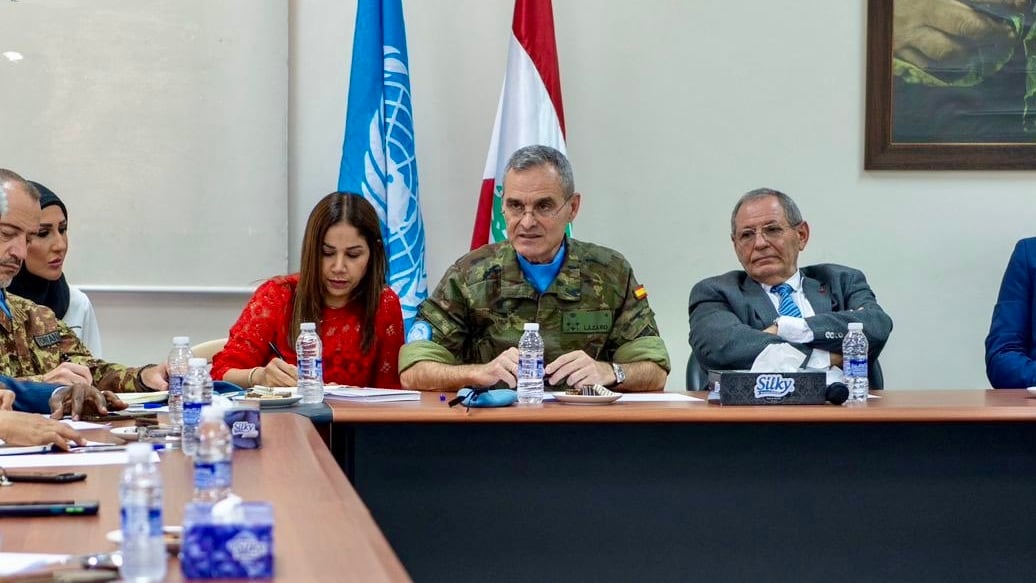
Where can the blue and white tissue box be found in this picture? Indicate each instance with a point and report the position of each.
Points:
(234, 545)
(245, 426)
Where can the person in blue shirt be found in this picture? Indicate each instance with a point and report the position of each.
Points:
(24, 428)
(57, 400)
(1011, 343)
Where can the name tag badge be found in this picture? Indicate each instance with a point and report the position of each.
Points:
(586, 322)
(48, 339)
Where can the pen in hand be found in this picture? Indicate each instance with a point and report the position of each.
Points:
(276, 351)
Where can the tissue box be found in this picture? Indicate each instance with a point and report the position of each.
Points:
(245, 426)
(234, 550)
(742, 387)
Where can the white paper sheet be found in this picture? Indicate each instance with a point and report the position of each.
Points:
(84, 425)
(15, 563)
(24, 449)
(664, 397)
(656, 397)
(365, 394)
(144, 397)
(149, 409)
(49, 460)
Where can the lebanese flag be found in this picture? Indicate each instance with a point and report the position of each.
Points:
(529, 112)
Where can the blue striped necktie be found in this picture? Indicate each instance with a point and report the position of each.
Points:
(787, 305)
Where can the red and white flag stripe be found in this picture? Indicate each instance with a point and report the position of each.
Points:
(529, 112)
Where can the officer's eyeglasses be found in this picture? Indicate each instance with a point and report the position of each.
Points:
(770, 233)
(547, 208)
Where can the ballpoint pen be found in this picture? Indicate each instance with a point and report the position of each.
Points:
(276, 351)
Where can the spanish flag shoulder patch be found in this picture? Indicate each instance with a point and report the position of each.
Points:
(640, 293)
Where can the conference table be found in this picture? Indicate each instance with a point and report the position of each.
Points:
(910, 486)
(322, 530)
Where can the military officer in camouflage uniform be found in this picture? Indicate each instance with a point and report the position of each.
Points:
(34, 344)
(594, 317)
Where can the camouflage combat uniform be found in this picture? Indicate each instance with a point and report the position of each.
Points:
(478, 309)
(36, 342)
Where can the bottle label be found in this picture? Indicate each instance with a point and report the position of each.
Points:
(176, 385)
(141, 521)
(192, 412)
(856, 367)
(530, 367)
(214, 475)
(311, 368)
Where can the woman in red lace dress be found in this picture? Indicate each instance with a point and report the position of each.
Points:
(341, 287)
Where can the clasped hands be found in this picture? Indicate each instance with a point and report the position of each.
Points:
(574, 368)
(29, 429)
(836, 358)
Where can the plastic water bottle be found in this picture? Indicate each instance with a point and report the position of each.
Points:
(212, 470)
(193, 401)
(854, 362)
(530, 366)
(140, 495)
(310, 353)
(206, 389)
(178, 367)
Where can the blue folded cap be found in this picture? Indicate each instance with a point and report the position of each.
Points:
(490, 398)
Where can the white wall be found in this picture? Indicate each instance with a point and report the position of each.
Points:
(674, 109)
(120, 105)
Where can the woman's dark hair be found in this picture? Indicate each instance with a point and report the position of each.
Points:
(335, 208)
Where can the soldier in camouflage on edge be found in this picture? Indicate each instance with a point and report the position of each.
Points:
(34, 344)
(594, 317)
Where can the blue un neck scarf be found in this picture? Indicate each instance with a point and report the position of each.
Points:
(787, 306)
(3, 304)
(541, 275)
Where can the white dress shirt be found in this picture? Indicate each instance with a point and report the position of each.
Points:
(795, 329)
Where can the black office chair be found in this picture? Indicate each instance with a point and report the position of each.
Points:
(697, 377)
(875, 378)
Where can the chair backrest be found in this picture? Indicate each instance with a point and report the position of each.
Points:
(697, 377)
(208, 349)
(875, 378)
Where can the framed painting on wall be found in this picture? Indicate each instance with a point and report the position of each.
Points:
(951, 85)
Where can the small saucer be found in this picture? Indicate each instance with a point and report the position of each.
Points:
(587, 399)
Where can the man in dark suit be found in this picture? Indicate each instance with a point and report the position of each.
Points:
(735, 317)
(1011, 344)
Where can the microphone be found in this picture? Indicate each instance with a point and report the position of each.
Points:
(836, 393)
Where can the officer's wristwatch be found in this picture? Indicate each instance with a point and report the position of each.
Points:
(620, 374)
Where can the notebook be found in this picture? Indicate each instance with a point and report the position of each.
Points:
(370, 395)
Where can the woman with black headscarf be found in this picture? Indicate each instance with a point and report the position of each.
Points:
(42, 277)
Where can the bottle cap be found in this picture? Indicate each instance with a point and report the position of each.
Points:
(181, 340)
(197, 362)
(139, 452)
(534, 326)
(308, 327)
(856, 326)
